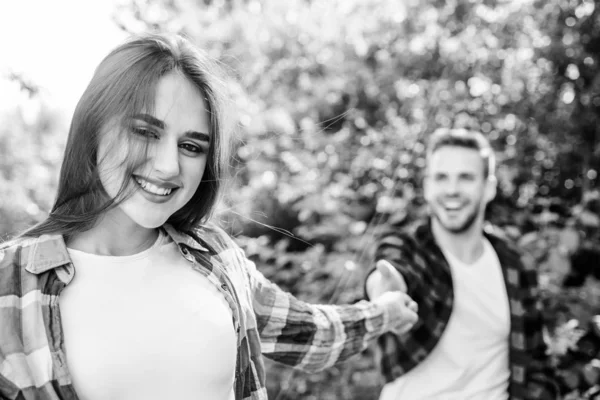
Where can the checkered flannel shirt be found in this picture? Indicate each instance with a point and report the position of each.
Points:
(268, 321)
(414, 252)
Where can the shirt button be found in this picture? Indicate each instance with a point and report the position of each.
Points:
(185, 251)
(224, 286)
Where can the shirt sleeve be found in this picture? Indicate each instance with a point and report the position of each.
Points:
(390, 349)
(302, 335)
(428, 284)
(8, 390)
(312, 337)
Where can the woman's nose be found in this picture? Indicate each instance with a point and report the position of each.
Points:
(166, 160)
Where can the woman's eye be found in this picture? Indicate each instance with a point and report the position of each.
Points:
(192, 148)
(147, 133)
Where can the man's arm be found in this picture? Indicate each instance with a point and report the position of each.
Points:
(393, 267)
(397, 354)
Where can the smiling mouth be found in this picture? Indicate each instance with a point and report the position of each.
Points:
(151, 188)
(453, 206)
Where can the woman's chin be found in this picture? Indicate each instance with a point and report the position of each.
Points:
(152, 223)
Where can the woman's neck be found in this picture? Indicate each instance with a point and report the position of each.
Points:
(114, 234)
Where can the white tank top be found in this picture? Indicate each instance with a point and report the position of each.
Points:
(146, 326)
(470, 362)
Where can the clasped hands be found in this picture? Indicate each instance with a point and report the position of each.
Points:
(386, 286)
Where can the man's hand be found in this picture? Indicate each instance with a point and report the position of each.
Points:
(387, 287)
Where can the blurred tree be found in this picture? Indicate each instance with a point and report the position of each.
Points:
(560, 99)
(31, 142)
(337, 98)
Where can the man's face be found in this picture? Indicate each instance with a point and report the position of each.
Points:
(456, 189)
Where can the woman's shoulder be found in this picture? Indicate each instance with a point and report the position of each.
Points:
(23, 250)
(215, 236)
(10, 246)
(29, 241)
(11, 255)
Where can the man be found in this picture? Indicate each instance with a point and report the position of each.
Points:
(479, 334)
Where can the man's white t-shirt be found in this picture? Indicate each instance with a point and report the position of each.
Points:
(146, 326)
(470, 362)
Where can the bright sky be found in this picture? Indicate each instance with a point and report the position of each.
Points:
(56, 44)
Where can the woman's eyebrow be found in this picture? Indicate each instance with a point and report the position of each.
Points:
(203, 137)
(149, 119)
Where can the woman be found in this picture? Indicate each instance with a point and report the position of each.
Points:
(127, 290)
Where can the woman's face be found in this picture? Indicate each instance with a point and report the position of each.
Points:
(177, 140)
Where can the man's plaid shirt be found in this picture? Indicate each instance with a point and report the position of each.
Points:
(414, 252)
(268, 321)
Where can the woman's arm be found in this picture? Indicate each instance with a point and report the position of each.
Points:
(314, 337)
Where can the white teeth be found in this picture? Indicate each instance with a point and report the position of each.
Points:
(151, 188)
(452, 206)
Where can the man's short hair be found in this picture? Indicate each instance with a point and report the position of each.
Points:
(467, 139)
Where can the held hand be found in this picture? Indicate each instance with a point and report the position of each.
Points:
(385, 278)
(387, 287)
(402, 311)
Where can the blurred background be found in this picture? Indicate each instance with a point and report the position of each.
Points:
(334, 103)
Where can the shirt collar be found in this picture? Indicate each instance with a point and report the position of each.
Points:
(44, 253)
(47, 252)
(424, 234)
(183, 238)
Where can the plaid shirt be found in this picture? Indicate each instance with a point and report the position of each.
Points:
(416, 255)
(268, 321)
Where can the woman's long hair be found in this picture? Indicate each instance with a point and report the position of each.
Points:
(123, 85)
